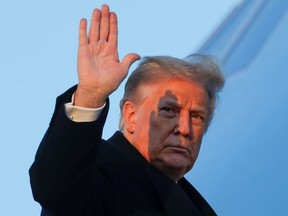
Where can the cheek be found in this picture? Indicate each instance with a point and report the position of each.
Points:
(198, 132)
(196, 142)
(160, 129)
(159, 135)
(162, 124)
(141, 132)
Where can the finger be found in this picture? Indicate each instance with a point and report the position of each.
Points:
(95, 26)
(104, 23)
(113, 34)
(83, 32)
(129, 59)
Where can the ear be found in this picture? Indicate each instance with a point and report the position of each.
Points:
(129, 117)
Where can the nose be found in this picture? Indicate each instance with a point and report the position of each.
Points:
(184, 126)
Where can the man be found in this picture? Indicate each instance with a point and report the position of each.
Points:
(166, 108)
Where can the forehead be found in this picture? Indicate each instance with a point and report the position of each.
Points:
(173, 90)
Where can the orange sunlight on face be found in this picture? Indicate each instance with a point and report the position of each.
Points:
(170, 121)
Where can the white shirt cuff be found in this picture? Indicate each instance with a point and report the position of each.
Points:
(82, 114)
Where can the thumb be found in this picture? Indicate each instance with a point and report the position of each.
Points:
(129, 59)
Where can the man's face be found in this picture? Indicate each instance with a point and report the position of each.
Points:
(169, 122)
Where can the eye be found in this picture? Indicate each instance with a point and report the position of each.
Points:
(167, 109)
(197, 117)
(167, 112)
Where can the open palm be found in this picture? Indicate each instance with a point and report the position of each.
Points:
(99, 70)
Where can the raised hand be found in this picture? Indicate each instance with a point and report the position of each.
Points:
(99, 70)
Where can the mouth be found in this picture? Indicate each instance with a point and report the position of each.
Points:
(179, 149)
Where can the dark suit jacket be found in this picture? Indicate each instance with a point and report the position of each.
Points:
(75, 172)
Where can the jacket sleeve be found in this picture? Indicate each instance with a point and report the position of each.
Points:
(62, 172)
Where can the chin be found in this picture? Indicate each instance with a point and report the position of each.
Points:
(181, 167)
(178, 160)
(177, 165)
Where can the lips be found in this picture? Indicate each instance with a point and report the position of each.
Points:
(179, 149)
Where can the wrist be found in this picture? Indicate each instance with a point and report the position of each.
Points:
(89, 99)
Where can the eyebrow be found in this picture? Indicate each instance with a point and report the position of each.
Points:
(200, 109)
(170, 102)
(174, 103)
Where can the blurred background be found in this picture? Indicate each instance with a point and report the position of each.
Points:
(242, 167)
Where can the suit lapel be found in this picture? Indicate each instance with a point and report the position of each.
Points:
(173, 198)
(204, 208)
